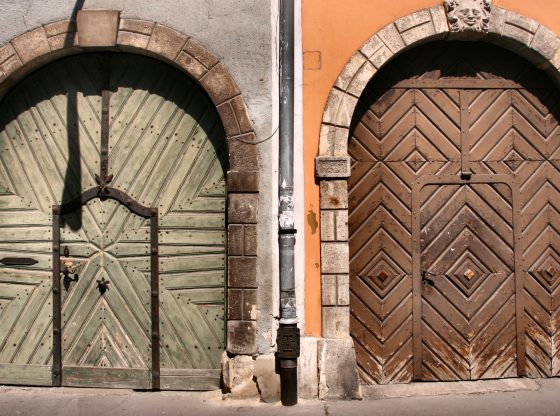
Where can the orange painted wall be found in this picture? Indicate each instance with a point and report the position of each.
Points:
(332, 31)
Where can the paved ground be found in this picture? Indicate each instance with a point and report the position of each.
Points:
(523, 398)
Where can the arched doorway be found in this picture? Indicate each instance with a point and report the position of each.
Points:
(113, 169)
(452, 216)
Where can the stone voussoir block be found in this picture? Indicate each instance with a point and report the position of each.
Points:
(545, 42)
(419, 34)
(361, 79)
(241, 337)
(219, 85)
(242, 115)
(350, 69)
(346, 110)
(439, 19)
(242, 272)
(200, 53)
(60, 27)
(392, 38)
(63, 41)
(229, 119)
(372, 45)
(167, 42)
(191, 65)
(412, 20)
(333, 141)
(134, 40)
(10, 65)
(334, 194)
(333, 167)
(143, 27)
(243, 208)
(6, 52)
(31, 45)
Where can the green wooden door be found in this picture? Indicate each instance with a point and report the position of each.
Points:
(166, 151)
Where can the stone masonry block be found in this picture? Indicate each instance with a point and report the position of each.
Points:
(418, 34)
(361, 79)
(10, 65)
(372, 45)
(245, 124)
(308, 380)
(518, 34)
(333, 141)
(334, 258)
(328, 290)
(243, 154)
(350, 69)
(219, 85)
(251, 240)
(167, 42)
(331, 108)
(545, 42)
(6, 52)
(333, 166)
(200, 53)
(60, 27)
(334, 194)
(336, 322)
(135, 40)
(238, 376)
(335, 290)
(243, 181)
(31, 45)
(241, 337)
(242, 272)
(346, 110)
(143, 27)
(235, 304)
(191, 65)
(235, 239)
(228, 117)
(523, 22)
(267, 380)
(249, 307)
(338, 370)
(98, 27)
(380, 57)
(412, 20)
(439, 19)
(497, 20)
(334, 225)
(392, 38)
(64, 40)
(243, 208)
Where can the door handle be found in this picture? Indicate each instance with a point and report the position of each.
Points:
(68, 271)
(427, 282)
(103, 285)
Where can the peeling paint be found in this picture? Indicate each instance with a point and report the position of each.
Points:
(312, 221)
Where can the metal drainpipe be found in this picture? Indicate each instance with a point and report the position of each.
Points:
(288, 332)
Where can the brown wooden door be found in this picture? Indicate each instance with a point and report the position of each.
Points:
(468, 126)
(468, 284)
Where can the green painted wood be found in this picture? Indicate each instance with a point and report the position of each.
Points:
(26, 374)
(167, 150)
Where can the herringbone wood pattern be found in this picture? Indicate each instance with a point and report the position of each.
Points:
(400, 135)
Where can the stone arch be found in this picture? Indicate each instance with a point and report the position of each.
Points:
(507, 29)
(39, 46)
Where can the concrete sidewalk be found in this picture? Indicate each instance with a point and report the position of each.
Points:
(506, 397)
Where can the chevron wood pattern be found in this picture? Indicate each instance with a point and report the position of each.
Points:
(507, 126)
(167, 150)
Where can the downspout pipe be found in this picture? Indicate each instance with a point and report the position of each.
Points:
(288, 331)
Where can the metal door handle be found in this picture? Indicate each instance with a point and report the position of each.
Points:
(103, 285)
(69, 269)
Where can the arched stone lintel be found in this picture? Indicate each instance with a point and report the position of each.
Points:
(37, 47)
(508, 29)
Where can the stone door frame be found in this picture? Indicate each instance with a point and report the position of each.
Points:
(510, 30)
(44, 44)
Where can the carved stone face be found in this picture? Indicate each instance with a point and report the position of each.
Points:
(470, 13)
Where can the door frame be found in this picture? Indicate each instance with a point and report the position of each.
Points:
(101, 192)
(417, 259)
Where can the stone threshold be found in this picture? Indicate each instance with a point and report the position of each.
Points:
(395, 391)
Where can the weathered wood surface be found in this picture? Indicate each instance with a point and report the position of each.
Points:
(416, 119)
